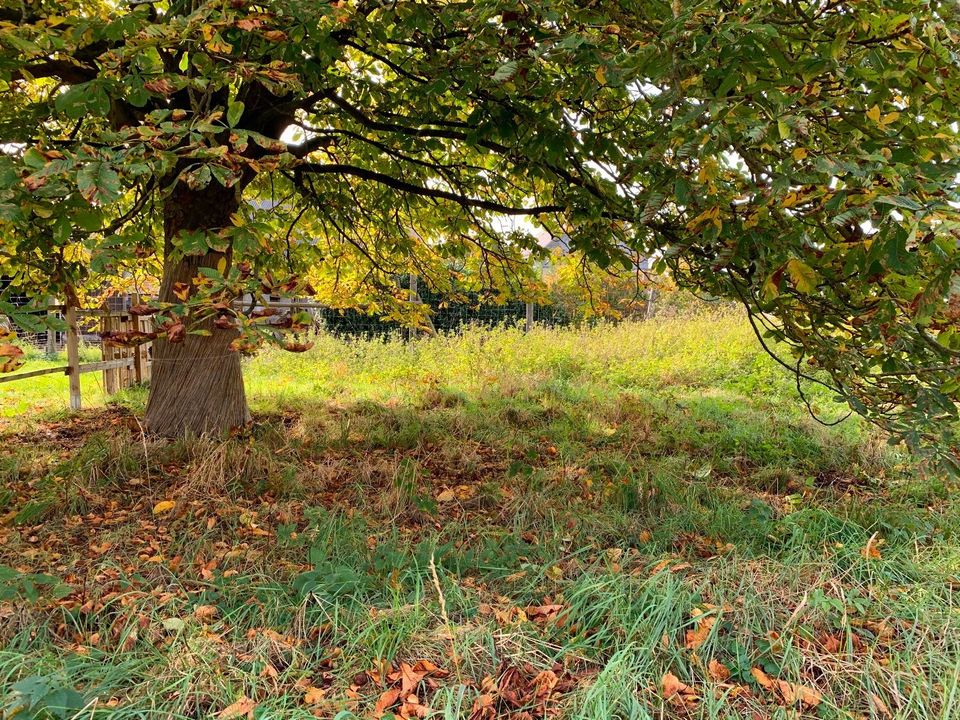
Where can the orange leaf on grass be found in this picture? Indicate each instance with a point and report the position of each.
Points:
(718, 671)
(671, 686)
(787, 693)
(387, 699)
(698, 635)
(242, 707)
(164, 506)
(314, 695)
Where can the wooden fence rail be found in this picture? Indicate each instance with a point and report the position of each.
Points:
(121, 366)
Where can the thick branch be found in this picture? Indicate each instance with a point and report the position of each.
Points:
(437, 193)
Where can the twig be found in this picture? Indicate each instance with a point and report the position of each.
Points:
(446, 619)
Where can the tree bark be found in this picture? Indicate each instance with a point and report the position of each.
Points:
(196, 385)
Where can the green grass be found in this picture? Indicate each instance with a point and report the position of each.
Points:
(400, 502)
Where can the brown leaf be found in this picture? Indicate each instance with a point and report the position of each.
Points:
(718, 671)
(671, 685)
(176, 332)
(793, 693)
(879, 706)
(541, 614)
(161, 86)
(786, 692)
(832, 644)
(697, 636)
(243, 706)
(409, 678)
(314, 695)
(483, 708)
(11, 358)
(205, 612)
(386, 700)
(762, 678)
(871, 551)
(411, 708)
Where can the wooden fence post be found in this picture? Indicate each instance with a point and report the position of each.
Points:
(414, 297)
(111, 375)
(528, 325)
(73, 356)
(51, 333)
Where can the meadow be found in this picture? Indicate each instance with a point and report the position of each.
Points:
(624, 521)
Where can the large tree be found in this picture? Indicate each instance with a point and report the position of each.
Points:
(799, 156)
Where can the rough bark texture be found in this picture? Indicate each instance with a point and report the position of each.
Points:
(196, 385)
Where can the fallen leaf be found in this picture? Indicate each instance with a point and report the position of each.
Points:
(671, 685)
(542, 614)
(786, 692)
(386, 700)
(164, 506)
(762, 678)
(879, 706)
(243, 706)
(205, 612)
(409, 678)
(871, 551)
(483, 708)
(314, 695)
(793, 693)
(698, 635)
(718, 671)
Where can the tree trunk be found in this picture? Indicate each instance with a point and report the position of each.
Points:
(196, 385)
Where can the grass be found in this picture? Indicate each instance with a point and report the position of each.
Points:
(559, 523)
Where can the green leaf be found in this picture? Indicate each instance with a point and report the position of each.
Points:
(84, 99)
(193, 242)
(98, 183)
(505, 71)
(899, 201)
(234, 112)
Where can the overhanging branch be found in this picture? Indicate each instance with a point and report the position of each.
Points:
(414, 189)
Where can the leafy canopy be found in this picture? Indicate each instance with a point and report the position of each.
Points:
(800, 157)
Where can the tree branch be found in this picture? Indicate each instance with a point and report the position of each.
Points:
(437, 193)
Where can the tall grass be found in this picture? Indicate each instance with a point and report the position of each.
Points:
(398, 501)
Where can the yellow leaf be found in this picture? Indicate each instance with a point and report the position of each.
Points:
(447, 495)
(804, 277)
(799, 154)
(889, 118)
(601, 75)
(164, 506)
(11, 358)
(874, 113)
(222, 266)
(711, 214)
(770, 288)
